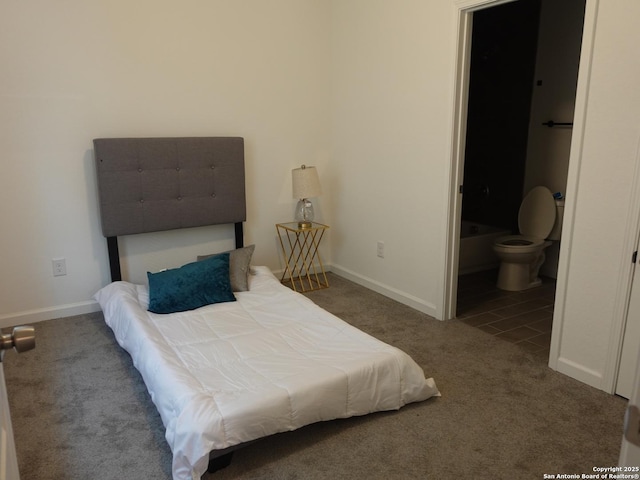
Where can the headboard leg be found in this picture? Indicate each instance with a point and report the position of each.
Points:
(239, 235)
(114, 259)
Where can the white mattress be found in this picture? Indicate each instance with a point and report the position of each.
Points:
(272, 361)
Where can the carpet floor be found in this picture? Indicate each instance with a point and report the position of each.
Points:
(80, 410)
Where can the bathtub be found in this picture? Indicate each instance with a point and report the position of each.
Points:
(476, 247)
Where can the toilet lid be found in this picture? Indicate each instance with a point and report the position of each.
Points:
(537, 213)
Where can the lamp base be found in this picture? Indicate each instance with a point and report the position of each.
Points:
(304, 213)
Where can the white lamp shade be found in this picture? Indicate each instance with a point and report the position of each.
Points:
(306, 183)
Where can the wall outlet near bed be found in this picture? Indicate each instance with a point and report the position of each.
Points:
(59, 267)
(380, 249)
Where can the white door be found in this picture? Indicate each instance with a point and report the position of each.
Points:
(8, 459)
(630, 451)
(631, 342)
(21, 339)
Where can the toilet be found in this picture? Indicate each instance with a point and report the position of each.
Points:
(521, 256)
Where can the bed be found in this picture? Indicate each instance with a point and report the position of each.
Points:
(228, 354)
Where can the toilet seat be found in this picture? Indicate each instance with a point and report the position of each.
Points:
(536, 218)
(518, 241)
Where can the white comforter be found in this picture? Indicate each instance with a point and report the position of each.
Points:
(271, 362)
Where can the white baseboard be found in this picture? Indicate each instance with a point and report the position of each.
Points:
(42, 314)
(81, 308)
(386, 290)
(579, 372)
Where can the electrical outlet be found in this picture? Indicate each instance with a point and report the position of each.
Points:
(381, 249)
(59, 267)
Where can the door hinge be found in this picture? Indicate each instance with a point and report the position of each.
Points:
(634, 257)
(461, 189)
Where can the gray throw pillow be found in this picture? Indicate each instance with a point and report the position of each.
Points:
(239, 260)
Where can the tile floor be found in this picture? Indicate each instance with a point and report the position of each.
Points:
(523, 318)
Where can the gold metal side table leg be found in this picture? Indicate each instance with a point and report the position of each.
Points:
(304, 271)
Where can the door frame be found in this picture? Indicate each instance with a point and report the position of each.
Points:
(9, 466)
(625, 285)
(629, 452)
(464, 10)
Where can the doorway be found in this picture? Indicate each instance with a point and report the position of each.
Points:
(497, 174)
(504, 43)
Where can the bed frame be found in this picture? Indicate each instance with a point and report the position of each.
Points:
(156, 184)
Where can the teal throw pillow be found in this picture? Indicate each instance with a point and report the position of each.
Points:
(191, 286)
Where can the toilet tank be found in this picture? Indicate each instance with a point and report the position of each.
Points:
(556, 231)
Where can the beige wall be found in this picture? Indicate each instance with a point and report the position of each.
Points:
(391, 118)
(548, 149)
(361, 88)
(557, 67)
(76, 70)
(392, 91)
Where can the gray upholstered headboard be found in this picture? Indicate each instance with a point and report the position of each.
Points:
(155, 184)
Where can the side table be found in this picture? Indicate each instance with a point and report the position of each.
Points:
(303, 270)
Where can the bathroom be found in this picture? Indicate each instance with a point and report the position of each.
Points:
(524, 68)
